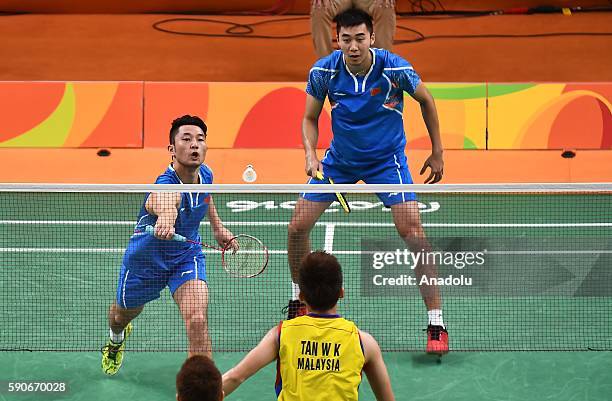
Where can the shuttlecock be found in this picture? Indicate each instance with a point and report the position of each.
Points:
(249, 174)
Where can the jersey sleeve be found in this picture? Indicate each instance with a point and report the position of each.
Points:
(164, 179)
(207, 174)
(401, 73)
(318, 81)
(320, 75)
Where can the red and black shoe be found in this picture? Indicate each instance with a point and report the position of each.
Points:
(295, 308)
(437, 340)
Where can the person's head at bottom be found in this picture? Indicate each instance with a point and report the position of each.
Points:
(320, 282)
(199, 380)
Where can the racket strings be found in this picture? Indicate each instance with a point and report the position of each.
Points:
(245, 256)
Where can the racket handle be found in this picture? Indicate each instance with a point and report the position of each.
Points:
(177, 237)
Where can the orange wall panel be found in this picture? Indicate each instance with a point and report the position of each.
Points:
(71, 114)
(144, 165)
(121, 125)
(165, 101)
(264, 115)
(550, 116)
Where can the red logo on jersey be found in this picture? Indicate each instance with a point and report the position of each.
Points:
(375, 91)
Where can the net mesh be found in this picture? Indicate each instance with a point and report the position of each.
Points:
(545, 282)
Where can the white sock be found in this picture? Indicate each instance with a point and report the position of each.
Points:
(295, 291)
(435, 317)
(116, 338)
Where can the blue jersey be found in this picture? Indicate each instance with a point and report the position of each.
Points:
(144, 251)
(367, 120)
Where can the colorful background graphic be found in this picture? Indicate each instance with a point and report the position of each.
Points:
(268, 115)
(550, 116)
(71, 114)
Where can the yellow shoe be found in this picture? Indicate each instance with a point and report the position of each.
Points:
(112, 354)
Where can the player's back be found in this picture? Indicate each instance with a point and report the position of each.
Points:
(320, 358)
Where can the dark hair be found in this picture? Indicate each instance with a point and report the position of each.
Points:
(199, 380)
(353, 17)
(320, 280)
(186, 120)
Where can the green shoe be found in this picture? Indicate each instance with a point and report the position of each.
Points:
(112, 354)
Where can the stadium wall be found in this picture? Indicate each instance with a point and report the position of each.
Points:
(266, 6)
(490, 116)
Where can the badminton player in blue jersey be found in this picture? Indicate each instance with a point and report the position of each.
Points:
(152, 263)
(365, 86)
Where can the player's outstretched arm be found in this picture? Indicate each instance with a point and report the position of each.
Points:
(310, 134)
(264, 353)
(375, 369)
(165, 206)
(221, 233)
(430, 115)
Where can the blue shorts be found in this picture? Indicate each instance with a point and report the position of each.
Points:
(395, 171)
(138, 285)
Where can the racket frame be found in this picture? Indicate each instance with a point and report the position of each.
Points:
(339, 196)
(227, 246)
(180, 238)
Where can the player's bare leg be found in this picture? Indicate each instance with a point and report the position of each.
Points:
(119, 322)
(305, 215)
(119, 318)
(192, 300)
(408, 224)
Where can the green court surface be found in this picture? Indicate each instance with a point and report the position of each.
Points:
(462, 376)
(547, 286)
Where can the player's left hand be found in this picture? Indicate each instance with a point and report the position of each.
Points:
(436, 164)
(223, 237)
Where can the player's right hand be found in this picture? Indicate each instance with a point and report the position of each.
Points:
(312, 166)
(164, 228)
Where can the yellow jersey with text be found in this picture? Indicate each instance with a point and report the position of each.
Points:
(320, 358)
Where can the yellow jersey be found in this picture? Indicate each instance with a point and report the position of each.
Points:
(320, 358)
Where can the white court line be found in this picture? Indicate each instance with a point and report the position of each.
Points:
(284, 252)
(71, 222)
(103, 250)
(329, 238)
(62, 250)
(340, 224)
(529, 252)
(324, 188)
(69, 277)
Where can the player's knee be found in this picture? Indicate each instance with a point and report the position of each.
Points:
(410, 232)
(196, 322)
(414, 236)
(123, 316)
(298, 230)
